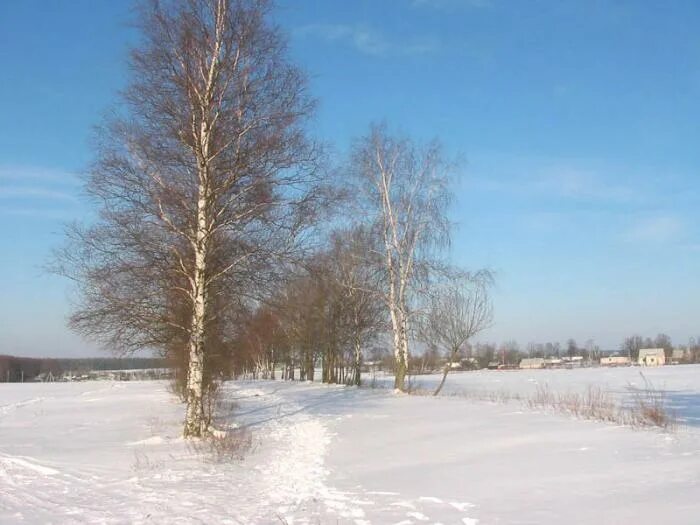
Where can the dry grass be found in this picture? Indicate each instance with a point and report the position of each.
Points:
(595, 403)
(223, 446)
(648, 409)
(492, 396)
(144, 463)
(231, 445)
(223, 442)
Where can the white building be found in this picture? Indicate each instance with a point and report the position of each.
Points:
(615, 360)
(651, 357)
(532, 362)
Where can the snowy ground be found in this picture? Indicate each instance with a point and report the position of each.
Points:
(679, 385)
(111, 453)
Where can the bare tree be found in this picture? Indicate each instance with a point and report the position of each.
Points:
(261, 343)
(201, 181)
(457, 312)
(359, 281)
(664, 341)
(403, 188)
(329, 308)
(305, 306)
(631, 346)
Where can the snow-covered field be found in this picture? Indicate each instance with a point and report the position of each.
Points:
(111, 453)
(679, 385)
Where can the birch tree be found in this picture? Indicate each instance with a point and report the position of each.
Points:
(457, 312)
(404, 193)
(201, 179)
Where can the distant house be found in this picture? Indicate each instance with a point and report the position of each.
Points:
(532, 362)
(651, 357)
(575, 361)
(679, 355)
(615, 360)
(371, 366)
(467, 363)
(553, 362)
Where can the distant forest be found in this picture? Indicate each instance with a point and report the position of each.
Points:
(16, 369)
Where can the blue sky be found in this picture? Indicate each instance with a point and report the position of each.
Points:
(577, 124)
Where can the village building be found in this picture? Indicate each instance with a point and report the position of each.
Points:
(678, 356)
(371, 366)
(553, 362)
(532, 362)
(615, 360)
(651, 357)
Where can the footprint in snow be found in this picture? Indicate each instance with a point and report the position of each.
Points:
(418, 515)
(406, 504)
(461, 506)
(365, 508)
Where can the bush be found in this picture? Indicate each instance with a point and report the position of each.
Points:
(649, 407)
(647, 410)
(222, 446)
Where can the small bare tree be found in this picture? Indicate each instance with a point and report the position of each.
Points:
(403, 189)
(457, 312)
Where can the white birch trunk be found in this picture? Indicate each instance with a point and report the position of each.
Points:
(400, 349)
(195, 422)
(358, 360)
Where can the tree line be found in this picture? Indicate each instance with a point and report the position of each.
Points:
(632, 344)
(229, 239)
(511, 352)
(17, 369)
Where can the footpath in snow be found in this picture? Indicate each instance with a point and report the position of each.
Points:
(111, 453)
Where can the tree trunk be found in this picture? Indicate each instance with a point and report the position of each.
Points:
(444, 375)
(358, 360)
(400, 349)
(195, 423)
(310, 366)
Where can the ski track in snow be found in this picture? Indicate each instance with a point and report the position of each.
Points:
(10, 407)
(160, 478)
(302, 495)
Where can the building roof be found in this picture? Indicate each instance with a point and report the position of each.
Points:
(532, 361)
(643, 352)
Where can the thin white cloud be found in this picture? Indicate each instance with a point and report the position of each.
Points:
(575, 183)
(36, 213)
(543, 222)
(658, 229)
(629, 205)
(36, 192)
(558, 181)
(366, 40)
(27, 174)
(33, 192)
